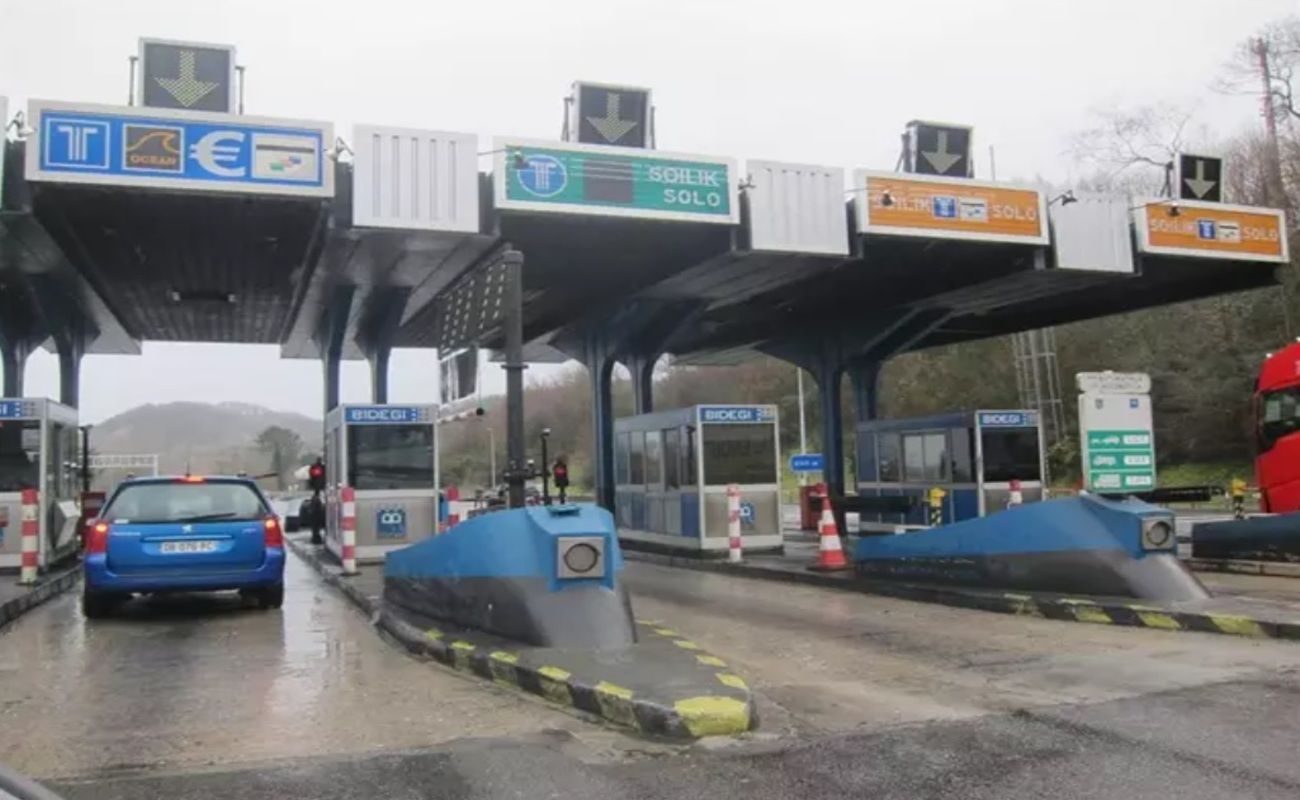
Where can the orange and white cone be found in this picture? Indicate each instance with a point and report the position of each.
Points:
(830, 553)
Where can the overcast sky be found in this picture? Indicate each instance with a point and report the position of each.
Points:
(808, 80)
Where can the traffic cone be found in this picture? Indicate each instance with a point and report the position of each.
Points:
(830, 554)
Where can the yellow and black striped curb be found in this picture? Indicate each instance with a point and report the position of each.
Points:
(697, 694)
(53, 586)
(1068, 609)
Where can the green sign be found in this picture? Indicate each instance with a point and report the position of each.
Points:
(610, 182)
(1120, 460)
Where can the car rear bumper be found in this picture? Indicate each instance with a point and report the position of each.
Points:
(101, 579)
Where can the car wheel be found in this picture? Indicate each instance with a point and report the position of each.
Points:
(96, 605)
(271, 597)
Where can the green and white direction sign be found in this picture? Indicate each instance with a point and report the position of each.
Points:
(613, 181)
(1117, 438)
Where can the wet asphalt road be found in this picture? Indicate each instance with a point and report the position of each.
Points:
(861, 697)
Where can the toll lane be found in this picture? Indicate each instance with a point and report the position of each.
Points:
(827, 660)
(195, 680)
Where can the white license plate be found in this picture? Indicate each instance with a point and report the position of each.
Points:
(189, 547)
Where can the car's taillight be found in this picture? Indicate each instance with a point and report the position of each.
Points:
(96, 537)
(273, 537)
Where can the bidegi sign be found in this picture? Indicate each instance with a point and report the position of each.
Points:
(385, 415)
(165, 149)
(737, 414)
(613, 181)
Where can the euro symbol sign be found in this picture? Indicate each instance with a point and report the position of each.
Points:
(217, 151)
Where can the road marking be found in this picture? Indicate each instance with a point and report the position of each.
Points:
(734, 681)
(1086, 611)
(555, 684)
(616, 704)
(460, 653)
(502, 665)
(1023, 605)
(665, 631)
(1153, 618)
(713, 716)
(434, 635)
(686, 644)
(710, 661)
(1237, 626)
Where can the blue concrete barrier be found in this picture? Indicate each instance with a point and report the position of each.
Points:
(1084, 544)
(544, 575)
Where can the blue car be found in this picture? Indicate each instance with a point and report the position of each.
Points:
(183, 534)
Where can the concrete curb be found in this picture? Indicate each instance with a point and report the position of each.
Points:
(1276, 569)
(1066, 609)
(724, 705)
(48, 589)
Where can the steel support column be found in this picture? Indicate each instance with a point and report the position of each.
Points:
(642, 368)
(13, 354)
(517, 467)
(329, 338)
(866, 389)
(383, 316)
(71, 348)
(828, 372)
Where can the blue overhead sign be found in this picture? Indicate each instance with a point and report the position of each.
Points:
(737, 413)
(1008, 419)
(386, 415)
(16, 409)
(165, 149)
(806, 462)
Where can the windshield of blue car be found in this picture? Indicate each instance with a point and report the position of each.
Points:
(214, 501)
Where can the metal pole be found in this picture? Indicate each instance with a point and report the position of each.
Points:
(239, 72)
(516, 472)
(85, 457)
(803, 424)
(492, 458)
(130, 92)
(546, 490)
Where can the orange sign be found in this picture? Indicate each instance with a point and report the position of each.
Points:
(949, 208)
(1212, 230)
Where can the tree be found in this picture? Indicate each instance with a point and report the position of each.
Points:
(285, 449)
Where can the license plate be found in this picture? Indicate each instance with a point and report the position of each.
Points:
(189, 547)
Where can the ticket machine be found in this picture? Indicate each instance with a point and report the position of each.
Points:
(38, 452)
(385, 454)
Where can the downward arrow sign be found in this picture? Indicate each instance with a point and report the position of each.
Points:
(611, 126)
(186, 87)
(940, 158)
(1199, 185)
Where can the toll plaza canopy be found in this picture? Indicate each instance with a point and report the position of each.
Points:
(123, 224)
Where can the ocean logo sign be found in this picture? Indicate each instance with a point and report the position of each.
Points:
(542, 175)
(154, 148)
(180, 152)
(390, 523)
(747, 514)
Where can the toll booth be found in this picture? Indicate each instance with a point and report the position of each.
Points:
(974, 456)
(39, 443)
(672, 468)
(385, 454)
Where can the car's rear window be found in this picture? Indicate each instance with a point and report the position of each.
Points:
(185, 502)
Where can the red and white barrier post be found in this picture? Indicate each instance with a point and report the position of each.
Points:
(733, 523)
(31, 531)
(348, 523)
(1015, 496)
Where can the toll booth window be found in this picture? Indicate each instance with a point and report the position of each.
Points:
(654, 459)
(1011, 453)
(744, 454)
(891, 456)
(390, 456)
(1279, 415)
(636, 459)
(688, 454)
(672, 458)
(925, 457)
(621, 446)
(963, 463)
(20, 455)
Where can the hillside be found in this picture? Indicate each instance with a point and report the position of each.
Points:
(204, 437)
